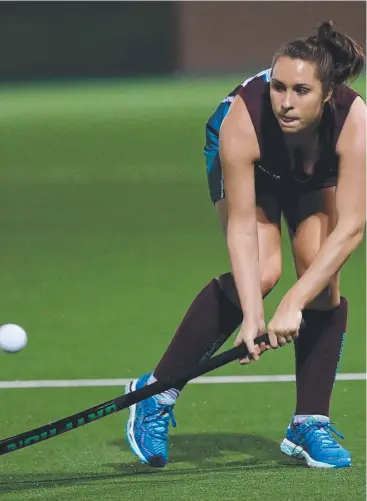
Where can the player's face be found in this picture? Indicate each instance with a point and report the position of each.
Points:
(296, 94)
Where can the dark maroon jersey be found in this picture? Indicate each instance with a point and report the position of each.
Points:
(274, 158)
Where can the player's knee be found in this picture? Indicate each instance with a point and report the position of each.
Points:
(269, 276)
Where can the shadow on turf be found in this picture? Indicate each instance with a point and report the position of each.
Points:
(207, 450)
(206, 453)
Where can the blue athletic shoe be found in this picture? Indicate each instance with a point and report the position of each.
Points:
(312, 442)
(147, 427)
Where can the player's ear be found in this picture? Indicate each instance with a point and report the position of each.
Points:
(328, 95)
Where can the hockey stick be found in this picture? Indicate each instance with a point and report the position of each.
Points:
(69, 423)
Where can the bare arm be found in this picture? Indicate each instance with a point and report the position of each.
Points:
(351, 210)
(238, 151)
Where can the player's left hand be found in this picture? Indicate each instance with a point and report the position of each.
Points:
(285, 324)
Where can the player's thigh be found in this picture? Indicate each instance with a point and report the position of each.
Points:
(311, 219)
(269, 236)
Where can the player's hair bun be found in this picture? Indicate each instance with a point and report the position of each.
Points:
(348, 57)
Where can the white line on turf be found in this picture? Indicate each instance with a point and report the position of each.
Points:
(78, 383)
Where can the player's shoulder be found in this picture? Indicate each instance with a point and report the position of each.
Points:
(346, 103)
(344, 96)
(347, 116)
(263, 77)
(353, 127)
(254, 83)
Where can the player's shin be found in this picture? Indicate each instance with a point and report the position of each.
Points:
(208, 323)
(318, 350)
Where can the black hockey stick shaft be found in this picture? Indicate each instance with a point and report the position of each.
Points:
(87, 416)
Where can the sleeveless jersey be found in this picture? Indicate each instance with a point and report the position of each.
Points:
(274, 158)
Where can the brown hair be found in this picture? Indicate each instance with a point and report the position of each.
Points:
(338, 58)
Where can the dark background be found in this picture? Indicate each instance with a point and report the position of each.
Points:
(48, 40)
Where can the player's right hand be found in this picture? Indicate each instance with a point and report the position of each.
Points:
(249, 331)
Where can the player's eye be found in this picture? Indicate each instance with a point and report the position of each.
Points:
(277, 86)
(302, 90)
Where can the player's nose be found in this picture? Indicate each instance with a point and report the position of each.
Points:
(287, 103)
